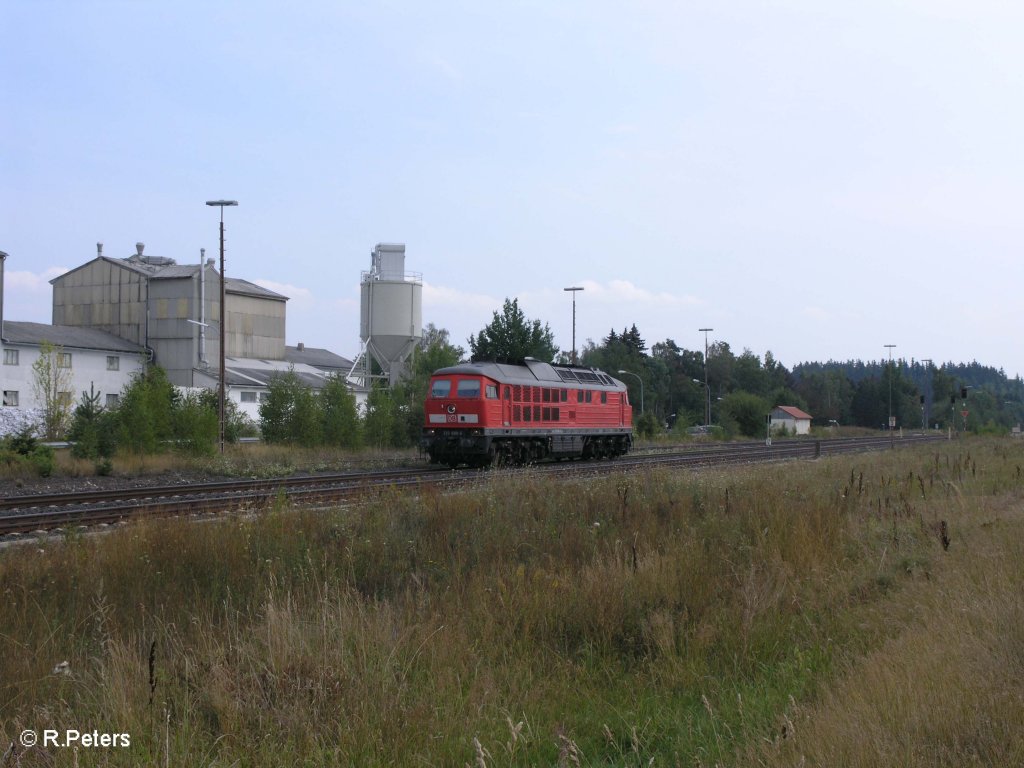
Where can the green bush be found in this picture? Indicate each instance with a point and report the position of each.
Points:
(22, 451)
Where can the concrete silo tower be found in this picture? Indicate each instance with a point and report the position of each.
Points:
(391, 313)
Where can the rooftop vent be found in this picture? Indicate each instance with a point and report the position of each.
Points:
(139, 248)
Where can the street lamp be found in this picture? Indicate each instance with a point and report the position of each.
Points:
(220, 395)
(573, 291)
(892, 437)
(630, 373)
(707, 412)
(926, 406)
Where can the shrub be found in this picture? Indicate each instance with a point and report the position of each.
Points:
(23, 451)
(145, 415)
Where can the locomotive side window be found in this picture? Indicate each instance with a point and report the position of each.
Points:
(589, 395)
(491, 392)
(604, 397)
(565, 395)
(468, 388)
(441, 388)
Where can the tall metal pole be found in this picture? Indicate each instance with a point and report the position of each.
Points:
(573, 290)
(707, 387)
(222, 383)
(926, 408)
(892, 437)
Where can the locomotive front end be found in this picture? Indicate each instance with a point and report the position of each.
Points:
(456, 417)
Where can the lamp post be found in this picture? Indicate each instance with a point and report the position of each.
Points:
(892, 437)
(630, 373)
(707, 410)
(222, 384)
(573, 291)
(926, 407)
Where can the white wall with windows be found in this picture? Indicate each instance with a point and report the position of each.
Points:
(106, 372)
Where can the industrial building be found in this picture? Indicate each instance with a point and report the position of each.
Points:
(172, 310)
(151, 307)
(89, 360)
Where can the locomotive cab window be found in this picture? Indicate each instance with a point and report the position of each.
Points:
(468, 388)
(441, 388)
(491, 392)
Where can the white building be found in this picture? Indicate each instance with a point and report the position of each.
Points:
(87, 360)
(795, 421)
(248, 379)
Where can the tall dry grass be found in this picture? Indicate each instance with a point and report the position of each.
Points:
(684, 617)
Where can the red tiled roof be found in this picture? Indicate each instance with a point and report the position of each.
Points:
(793, 411)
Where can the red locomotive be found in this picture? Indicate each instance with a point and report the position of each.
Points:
(483, 413)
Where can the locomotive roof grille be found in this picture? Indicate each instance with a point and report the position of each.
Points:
(535, 374)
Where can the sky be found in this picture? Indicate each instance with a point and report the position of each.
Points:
(814, 179)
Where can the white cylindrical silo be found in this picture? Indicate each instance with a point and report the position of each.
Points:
(391, 309)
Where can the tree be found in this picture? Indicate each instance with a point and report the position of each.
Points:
(196, 424)
(145, 414)
(747, 411)
(340, 415)
(51, 384)
(291, 412)
(510, 337)
(434, 351)
(381, 422)
(92, 431)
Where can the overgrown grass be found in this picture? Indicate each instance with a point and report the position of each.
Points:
(742, 616)
(245, 459)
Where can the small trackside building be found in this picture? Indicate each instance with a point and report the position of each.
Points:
(795, 421)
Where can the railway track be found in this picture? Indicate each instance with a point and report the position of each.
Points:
(64, 511)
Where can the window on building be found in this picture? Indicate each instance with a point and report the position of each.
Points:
(113, 363)
(64, 399)
(264, 396)
(112, 401)
(248, 397)
(64, 360)
(11, 398)
(10, 357)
